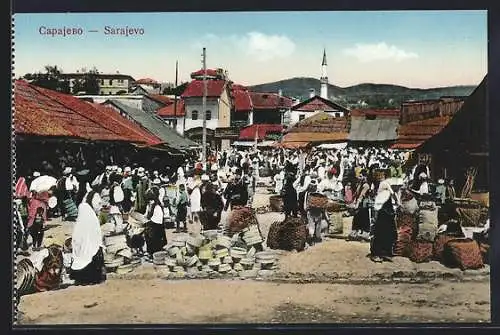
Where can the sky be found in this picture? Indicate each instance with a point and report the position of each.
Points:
(418, 49)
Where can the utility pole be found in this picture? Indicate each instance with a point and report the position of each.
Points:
(204, 109)
(175, 92)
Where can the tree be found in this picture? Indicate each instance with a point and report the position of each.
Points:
(175, 90)
(88, 83)
(51, 79)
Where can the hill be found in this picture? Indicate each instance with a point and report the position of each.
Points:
(374, 95)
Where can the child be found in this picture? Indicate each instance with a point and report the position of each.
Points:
(182, 205)
(36, 229)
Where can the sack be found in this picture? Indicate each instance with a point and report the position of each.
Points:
(427, 232)
(409, 206)
(463, 253)
(336, 223)
(421, 251)
(439, 244)
(426, 216)
(403, 242)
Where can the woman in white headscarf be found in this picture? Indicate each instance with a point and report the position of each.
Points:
(87, 247)
(384, 229)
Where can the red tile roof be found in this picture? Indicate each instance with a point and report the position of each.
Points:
(391, 113)
(199, 73)
(249, 132)
(241, 99)
(146, 81)
(169, 110)
(412, 134)
(161, 98)
(322, 123)
(269, 101)
(43, 112)
(195, 88)
(318, 103)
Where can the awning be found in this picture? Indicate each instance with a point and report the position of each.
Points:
(243, 143)
(266, 144)
(292, 145)
(333, 145)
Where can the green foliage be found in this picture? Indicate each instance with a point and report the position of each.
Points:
(171, 90)
(50, 79)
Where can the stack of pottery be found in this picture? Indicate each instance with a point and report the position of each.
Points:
(118, 256)
(214, 255)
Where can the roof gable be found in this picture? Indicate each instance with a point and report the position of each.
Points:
(318, 103)
(195, 88)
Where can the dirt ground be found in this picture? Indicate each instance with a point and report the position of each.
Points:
(217, 301)
(332, 281)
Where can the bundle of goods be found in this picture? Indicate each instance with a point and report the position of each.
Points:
(118, 256)
(427, 221)
(212, 255)
(317, 200)
(336, 226)
(290, 234)
(276, 203)
(470, 212)
(239, 219)
(463, 253)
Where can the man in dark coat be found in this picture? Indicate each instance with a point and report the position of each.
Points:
(236, 192)
(212, 206)
(289, 194)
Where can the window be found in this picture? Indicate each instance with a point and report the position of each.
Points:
(110, 82)
(194, 115)
(208, 115)
(337, 114)
(301, 117)
(102, 81)
(120, 81)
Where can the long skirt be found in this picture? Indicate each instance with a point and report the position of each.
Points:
(70, 209)
(384, 234)
(314, 217)
(155, 237)
(361, 220)
(93, 273)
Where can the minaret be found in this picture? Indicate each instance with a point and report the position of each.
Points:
(324, 78)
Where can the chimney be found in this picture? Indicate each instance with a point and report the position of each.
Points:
(312, 92)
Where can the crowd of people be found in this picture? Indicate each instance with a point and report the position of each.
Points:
(371, 182)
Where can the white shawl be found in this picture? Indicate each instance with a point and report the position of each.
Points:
(86, 238)
(383, 194)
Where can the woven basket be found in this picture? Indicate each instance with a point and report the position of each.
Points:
(439, 244)
(240, 219)
(463, 253)
(274, 234)
(317, 200)
(294, 237)
(485, 252)
(421, 251)
(276, 203)
(403, 242)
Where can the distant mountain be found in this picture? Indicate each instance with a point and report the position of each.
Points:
(373, 95)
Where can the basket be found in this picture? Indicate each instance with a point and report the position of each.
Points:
(240, 219)
(276, 203)
(482, 197)
(403, 242)
(294, 235)
(274, 234)
(439, 244)
(421, 251)
(463, 253)
(317, 200)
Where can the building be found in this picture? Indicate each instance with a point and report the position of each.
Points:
(152, 123)
(374, 127)
(425, 109)
(324, 77)
(218, 107)
(314, 105)
(268, 108)
(173, 115)
(317, 104)
(109, 84)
